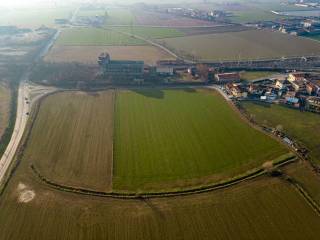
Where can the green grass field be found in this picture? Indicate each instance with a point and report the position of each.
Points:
(4, 108)
(302, 126)
(249, 76)
(76, 147)
(151, 32)
(171, 135)
(95, 37)
(253, 16)
(252, 44)
(70, 141)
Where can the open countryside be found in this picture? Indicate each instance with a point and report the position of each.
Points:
(88, 54)
(189, 141)
(253, 44)
(95, 36)
(79, 148)
(303, 126)
(159, 119)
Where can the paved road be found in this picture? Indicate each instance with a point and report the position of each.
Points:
(217, 88)
(20, 124)
(22, 114)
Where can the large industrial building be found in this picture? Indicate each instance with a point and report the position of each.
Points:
(120, 69)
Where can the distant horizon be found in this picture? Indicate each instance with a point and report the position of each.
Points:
(46, 3)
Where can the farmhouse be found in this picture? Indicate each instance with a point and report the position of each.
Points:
(120, 68)
(227, 77)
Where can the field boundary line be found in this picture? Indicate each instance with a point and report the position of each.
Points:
(249, 175)
(114, 98)
(302, 191)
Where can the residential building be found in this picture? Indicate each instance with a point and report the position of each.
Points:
(314, 104)
(296, 76)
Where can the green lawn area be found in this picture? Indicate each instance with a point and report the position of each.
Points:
(249, 76)
(96, 36)
(162, 136)
(151, 32)
(304, 126)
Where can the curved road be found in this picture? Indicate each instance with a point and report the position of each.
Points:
(22, 115)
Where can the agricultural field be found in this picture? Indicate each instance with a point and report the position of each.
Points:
(155, 147)
(249, 16)
(189, 31)
(252, 44)
(4, 108)
(89, 54)
(303, 126)
(252, 210)
(95, 37)
(34, 18)
(119, 16)
(303, 173)
(252, 75)
(151, 32)
(75, 148)
(147, 18)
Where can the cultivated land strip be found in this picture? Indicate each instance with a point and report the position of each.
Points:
(303, 193)
(195, 189)
(250, 175)
(151, 43)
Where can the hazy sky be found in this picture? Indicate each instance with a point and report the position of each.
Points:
(22, 3)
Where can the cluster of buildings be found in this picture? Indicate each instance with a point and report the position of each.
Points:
(133, 72)
(121, 70)
(298, 26)
(306, 3)
(211, 15)
(297, 89)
